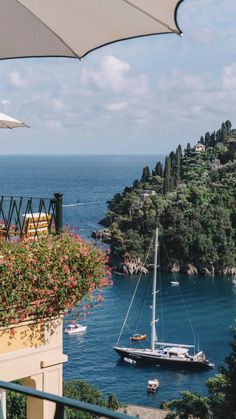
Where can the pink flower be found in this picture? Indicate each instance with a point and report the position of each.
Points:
(66, 269)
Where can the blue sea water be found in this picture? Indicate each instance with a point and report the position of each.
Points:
(87, 182)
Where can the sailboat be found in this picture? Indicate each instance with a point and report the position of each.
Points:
(163, 353)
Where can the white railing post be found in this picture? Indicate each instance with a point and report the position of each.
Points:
(3, 410)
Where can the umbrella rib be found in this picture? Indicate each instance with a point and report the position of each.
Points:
(151, 16)
(6, 125)
(50, 30)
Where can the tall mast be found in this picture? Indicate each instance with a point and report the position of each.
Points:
(154, 291)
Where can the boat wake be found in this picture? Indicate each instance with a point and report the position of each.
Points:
(82, 204)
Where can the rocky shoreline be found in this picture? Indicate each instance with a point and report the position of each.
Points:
(135, 267)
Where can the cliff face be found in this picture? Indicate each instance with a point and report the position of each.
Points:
(191, 199)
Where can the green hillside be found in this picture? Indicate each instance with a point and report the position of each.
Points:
(191, 198)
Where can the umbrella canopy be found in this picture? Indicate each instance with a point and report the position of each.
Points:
(7, 121)
(72, 28)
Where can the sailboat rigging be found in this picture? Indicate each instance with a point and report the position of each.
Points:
(164, 353)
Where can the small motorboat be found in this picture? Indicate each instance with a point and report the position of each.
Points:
(153, 385)
(174, 283)
(129, 360)
(138, 336)
(75, 328)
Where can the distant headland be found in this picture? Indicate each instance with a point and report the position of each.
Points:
(191, 198)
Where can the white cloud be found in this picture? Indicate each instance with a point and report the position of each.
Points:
(117, 106)
(187, 99)
(5, 102)
(116, 76)
(229, 78)
(206, 36)
(158, 90)
(17, 80)
(53, 124)
(58, 104)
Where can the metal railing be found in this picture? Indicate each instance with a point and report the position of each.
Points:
(62, 402)
(16, 210)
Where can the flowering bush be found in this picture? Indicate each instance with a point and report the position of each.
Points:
(49, 276)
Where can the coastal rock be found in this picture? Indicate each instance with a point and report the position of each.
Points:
(229, 270)
(133, 268)
(175, 267)
(104, 235)
(191, 269)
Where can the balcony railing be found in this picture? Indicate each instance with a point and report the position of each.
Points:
(16, 211)
(62, 402)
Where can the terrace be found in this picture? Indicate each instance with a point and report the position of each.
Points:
(38, 286)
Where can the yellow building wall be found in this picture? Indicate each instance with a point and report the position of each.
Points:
(33, 353)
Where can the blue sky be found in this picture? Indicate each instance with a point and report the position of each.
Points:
(142, 96)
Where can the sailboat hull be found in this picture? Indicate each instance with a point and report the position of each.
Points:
(167, 354)
(146, 356)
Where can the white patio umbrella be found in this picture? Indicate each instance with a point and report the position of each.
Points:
(7, 121)
(72, 28)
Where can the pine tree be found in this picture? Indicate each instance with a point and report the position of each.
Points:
(172, 161)
(159, 169)
(178, 156)
(188, 150)
(167, 175)
(218, 136)
(146, 174)
(228, 126)
(167, 169)
(224, 131)
(213, 139)
(207, 139)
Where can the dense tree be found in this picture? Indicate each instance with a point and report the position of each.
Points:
(191, 406)
(207, 139)
(192, 200)
(75, 389)
(159, 169)
(229, 372)
(188, 150)
(146, 174)
(224, 131)
(167, 175)
(221, 401)
(16, 405)
(228, 126)
(176, 171)
(80, 390)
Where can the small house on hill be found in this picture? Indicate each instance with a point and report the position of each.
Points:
(199, 148)
(146, 194)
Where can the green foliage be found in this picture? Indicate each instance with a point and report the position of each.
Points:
(49, 276)
(229, 373)
(75, 389)
(16, 405)
(191, 200)
(112, 402)
(79, 390)
(221, 402)
(146, 174)
(192, 405)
